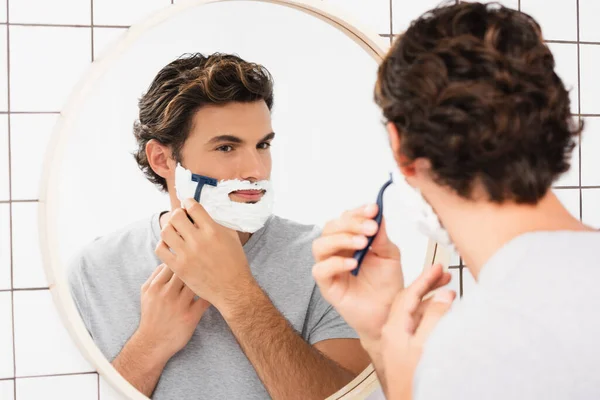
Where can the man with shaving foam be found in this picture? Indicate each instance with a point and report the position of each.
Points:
(232, 311)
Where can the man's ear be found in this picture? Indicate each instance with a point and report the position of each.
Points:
(403, 162)
(160, 159)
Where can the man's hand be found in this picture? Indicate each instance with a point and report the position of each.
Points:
(208, 257)
(169, 317)
(410, 322)
(363, 301)
(170, 314)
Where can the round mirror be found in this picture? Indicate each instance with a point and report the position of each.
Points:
(101, 216)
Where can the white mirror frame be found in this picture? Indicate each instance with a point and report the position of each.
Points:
(363, 385)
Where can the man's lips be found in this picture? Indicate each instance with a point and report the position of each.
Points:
(249, 194)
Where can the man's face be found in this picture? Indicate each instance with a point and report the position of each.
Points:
(231, 142)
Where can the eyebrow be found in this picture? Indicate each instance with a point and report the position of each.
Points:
(235, 139)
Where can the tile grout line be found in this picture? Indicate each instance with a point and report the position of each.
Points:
(579, 111)
(92, 27)
(391, 22)
(32, 25)
(92, 35)
(54, 375)
(10, 205)
(28, 112)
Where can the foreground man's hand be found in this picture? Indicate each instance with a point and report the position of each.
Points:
(208, 257)
(363, 301)
(169, 316)
(410, 323)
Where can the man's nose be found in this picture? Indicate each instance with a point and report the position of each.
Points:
(254, 167)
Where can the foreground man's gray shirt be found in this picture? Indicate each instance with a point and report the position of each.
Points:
(530, 330)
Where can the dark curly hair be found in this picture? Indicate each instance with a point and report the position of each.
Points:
(472, 88)
(185, 85)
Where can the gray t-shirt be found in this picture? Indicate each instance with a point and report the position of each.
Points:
(106, 278)
(529, 330)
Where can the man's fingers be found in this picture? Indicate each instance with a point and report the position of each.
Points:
(436, 308)
(172, 238)
(163, 276)
(383, 246)
(163, 252)
(354, 222)
(326, 270)
(183, 225)
(196, 212)
(327, 246)
(175, 284)
(426, 281)
(187, 294)
(151, 278)
(429, 280)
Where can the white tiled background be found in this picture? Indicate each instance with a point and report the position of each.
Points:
(46, 46)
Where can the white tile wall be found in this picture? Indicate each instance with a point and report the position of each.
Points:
(468, 282)
(66, 12)
(5, 247)
(29, 139)
(590, 147)
(2, 10)
(119, 12)
(42, 344)
(588, 23)
(4, 195)
(557, 18)
(104, 37)
(27, 260)
(46, 61)
(7, 390)
(373, 14)
(7, 367)
(3, 68)
(590, 81)
(591, 207)
(76, 387)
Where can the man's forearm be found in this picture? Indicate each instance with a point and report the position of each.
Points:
(288, 366)
(138, 366)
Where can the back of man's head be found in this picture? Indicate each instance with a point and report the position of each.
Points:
(472, 88)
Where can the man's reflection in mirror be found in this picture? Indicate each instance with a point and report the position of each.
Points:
(247, 320)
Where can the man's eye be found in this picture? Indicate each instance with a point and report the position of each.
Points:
(264, 145)
(225, 149)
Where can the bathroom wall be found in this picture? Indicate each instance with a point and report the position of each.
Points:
(46, 46)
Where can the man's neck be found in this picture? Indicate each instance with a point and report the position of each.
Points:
(164, 219)
(479, 230)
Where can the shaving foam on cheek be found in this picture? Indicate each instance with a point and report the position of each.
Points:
(242, 217)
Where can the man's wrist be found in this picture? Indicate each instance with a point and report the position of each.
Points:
(242, 296)
(147, 350)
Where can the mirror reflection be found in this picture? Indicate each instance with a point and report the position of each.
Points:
(220, 141)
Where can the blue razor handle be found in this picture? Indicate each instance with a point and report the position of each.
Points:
(202, 180)
(360, 254)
